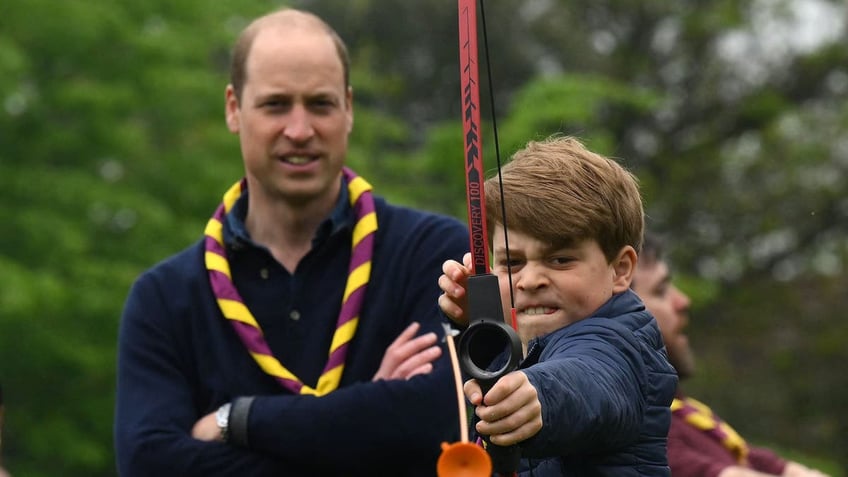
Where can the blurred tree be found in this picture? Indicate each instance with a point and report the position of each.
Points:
(113, 152)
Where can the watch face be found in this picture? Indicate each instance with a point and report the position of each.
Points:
(222, 416)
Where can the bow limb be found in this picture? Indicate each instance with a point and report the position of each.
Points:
(474, 175)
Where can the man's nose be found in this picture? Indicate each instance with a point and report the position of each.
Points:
(298, 127)
(681, 300)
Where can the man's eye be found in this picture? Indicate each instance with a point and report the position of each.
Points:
(323, 104)
(322, 109)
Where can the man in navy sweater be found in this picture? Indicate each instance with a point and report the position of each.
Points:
(301, 334)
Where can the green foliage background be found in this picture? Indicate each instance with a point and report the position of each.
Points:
(113, 152)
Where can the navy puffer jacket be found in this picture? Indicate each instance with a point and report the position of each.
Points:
(605, 386)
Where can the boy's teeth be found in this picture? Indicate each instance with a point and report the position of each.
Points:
(298, 160)
(536, 310)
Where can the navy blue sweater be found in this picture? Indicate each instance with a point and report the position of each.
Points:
(179, 359)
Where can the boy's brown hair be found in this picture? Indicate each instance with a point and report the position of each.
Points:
(561, 193)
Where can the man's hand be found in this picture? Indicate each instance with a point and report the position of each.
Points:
(453, 282)
(510, 412)
(405, 357)
(408, 356)
(206, 429)
(794, 469)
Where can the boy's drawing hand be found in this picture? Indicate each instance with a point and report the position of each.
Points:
(454, 300)
(510, 412)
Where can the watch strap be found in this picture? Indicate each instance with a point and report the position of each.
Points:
(239, 414)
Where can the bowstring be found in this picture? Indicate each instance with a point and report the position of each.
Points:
(497, 155)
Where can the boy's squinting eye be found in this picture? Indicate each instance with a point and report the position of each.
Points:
(512, 263)
(561, 260)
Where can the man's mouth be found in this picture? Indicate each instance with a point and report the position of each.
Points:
(298, 160)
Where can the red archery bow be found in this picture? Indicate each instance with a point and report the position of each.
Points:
(487, 336)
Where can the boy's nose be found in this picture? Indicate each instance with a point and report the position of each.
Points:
(531, 277)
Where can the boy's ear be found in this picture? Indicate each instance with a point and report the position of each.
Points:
(624, 265)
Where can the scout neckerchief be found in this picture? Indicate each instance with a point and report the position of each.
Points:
(698, 415)
(246, 326)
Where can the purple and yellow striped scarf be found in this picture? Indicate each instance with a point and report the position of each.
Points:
(700, 416)
(233, 308)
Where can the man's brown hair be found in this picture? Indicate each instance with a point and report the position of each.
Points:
(283, 19)
(561, 193)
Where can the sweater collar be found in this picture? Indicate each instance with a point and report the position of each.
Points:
(236, 235)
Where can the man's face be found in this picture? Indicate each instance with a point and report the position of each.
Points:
(294, 116)
(670, 307)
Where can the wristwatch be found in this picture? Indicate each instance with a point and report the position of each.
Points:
(222, 418)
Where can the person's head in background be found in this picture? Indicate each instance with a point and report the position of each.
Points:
(652, 281)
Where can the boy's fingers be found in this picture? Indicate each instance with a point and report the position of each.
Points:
(472, 392)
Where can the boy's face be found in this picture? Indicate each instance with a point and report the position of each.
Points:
(556, 287)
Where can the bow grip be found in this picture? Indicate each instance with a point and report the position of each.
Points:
(487, 337)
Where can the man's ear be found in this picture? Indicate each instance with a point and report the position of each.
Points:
(349, 104)
(231, 110)
(624, 265)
